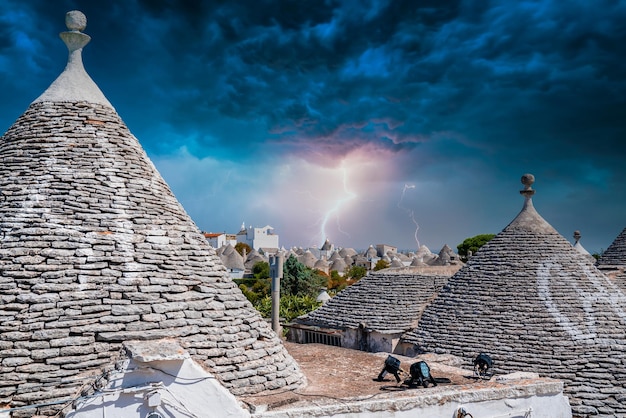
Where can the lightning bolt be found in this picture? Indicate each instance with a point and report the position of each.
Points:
(409, 211)
(339, 203)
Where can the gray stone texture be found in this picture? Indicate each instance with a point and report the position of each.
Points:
(383, 302)
(613, 261)
(615, 255)
(95, 250)
(534, 303)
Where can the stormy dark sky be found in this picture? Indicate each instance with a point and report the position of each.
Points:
(356, 121)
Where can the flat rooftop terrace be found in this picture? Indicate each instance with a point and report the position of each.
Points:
(341, 384)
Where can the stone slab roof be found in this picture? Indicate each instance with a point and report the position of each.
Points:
(615, 255)
(534, 303)
(95, 250)
(383, 302)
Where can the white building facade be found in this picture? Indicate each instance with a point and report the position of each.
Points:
(218, 240)
(258, 237)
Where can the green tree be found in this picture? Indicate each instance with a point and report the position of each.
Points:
(262, 283)
(291, 306)
(356, 273)
(381, 264)
(336, 283)
(261, 270)
(240, 246)
(299, 280)
(473, 244)
(259, 286)
(250, 294)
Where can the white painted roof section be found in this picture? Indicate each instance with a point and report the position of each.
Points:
(74, 84)
(580, 248)
(158, 378)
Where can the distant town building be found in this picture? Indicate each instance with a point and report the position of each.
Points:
(219, 239)
(258, 238)
(215, 240)
(383, 249)
(264, 243)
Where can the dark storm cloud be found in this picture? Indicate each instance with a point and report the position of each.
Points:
(471, 89)
(498, 73)
(309, 69)
(532, 73)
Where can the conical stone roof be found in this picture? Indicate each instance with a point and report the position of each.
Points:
(253, 258)
(417, 262)
(613, 261)
(396, 262)
(231, 258)
(96, 250)
(338, 265)
(425, 255)
(533, 302)
(334, 256)
(615, 255)
(446, 257)
(308, 259)
(347, 252)
(321, 265)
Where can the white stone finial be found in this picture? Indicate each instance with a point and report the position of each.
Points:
(75, 39)
(74, 84)
(528, 180)
(76, 21)
(577, 235)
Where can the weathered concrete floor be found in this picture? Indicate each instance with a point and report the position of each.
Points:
(338, 375)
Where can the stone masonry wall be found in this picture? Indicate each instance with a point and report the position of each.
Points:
(95, 250)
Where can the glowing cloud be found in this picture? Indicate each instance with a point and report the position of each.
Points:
(327, 200)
